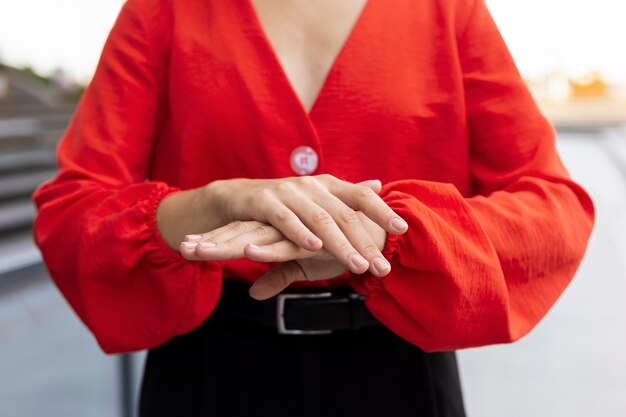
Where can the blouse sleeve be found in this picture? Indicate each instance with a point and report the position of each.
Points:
(96, 224)
(484, 269)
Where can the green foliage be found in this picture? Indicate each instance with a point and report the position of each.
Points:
(28, 70)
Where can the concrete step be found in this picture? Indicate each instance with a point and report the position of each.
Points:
(23, 184)
(16, 214)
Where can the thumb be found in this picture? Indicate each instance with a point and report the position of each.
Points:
(277, 279)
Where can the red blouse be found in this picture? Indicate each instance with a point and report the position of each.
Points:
(423, 96)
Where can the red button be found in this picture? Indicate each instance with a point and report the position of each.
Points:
(303, 160)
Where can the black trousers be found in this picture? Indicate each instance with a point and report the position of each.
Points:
(230, 367)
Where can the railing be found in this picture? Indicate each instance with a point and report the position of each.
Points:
(28, 137)
(27, 150)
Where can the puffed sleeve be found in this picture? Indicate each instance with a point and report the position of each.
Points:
(484, 269)
(96, 224)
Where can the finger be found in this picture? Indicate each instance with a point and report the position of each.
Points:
(224, 233)
(379, 265)
(358, 235)
(365, 199)
(282, 251)
(336, 224)
(276, 280)
(330, 182)
(233, 248)
(289, 224)
(324, 223)
(375, 185)
(188, 251)
(191, 242)
(280, 277)
(345, 237)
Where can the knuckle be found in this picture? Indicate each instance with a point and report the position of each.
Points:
(350, 216)
(301, 272)
(229, 244)
(363, 197)
(386, 213)
(210, 241)
(379, 213)
(260, 231)
(283, 215)
(284, 277)
(322, 218)
(284, 187)
(364, 192)
(306, 180)
(236, 225)
(311, 183)
(303, 233)
(369, 249)
(263, 196)
(344, 246)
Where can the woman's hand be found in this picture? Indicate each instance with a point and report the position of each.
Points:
(245, 239)
(311, 212)
(318, 267)
(270, 246)
(277, 279)
(264, 243)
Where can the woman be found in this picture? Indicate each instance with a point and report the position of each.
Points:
(389, 147)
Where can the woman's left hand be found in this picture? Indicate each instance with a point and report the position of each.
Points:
(261, 242)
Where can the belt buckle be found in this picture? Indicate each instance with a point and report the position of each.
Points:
(280, 313)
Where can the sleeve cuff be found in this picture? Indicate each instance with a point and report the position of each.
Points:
(165, 253)
(366, 283)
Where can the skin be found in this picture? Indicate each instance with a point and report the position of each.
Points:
(307, 36)
(260, 242)
(329, 222)
(318, 226)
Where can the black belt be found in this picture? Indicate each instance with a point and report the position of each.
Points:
(298, 313)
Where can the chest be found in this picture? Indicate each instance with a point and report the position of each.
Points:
(306, 37)
(390, 104)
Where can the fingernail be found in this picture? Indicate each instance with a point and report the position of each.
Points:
(190, 245)
(207, 245)
(253, 246)
(399, 224)
(193, 237)
(381, 265)
(358, 261)
(313, 241)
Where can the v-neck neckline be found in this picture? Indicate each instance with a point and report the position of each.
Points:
(277, 66)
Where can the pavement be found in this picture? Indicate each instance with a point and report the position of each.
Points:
(574, 362)
(571, 365)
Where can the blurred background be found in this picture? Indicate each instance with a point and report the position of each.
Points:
(571, 365)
